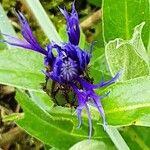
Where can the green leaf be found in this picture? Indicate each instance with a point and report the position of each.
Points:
(137, 42)
(128, 102)
(57, 128)
(18, 67)
(7, 28)
(97, 75)
(42, 100)
(129, 56)
(136, 137)
(98, 65)
(63, 34)
(120, 17)
(89, 145)
(22, 69)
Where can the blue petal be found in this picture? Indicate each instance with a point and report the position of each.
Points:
(73, 29)
(90, 121)
(65, 13)
(27, 33)
(82, 97)
(89, 86)
(79, 111)
(49, 58)
(99, 106)
(75, 53)
(20, 43)
(114, 79)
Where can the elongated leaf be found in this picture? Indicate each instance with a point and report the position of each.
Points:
(42, 100)
(98, 65)
(53, 129)
(43, 20)
(136, 137)
(7, 28)
(120, 18)
(129, 56)
(21, 68)
(117, 138)
(5, 25)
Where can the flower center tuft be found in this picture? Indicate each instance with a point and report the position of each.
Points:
(69, 69)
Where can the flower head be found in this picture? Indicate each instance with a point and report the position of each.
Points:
(68, 66)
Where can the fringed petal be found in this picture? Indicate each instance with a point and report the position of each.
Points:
(99, 106)
(73, 29)
(104, 84)
(79, 115)
(15, 42)
(90, 86)
(90, 121)
(27, 33)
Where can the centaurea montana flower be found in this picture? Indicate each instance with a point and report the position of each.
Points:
(68, 67)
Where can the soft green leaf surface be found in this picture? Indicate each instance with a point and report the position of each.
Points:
(137, 42)
(21, 68)
(89, 145)
(5, 25)
(97, 75)
(121, 55)
(57, 129)
(136, 137)
(120, 17)
(98, 65)
(128, 102)
(129, 56)
(7, 28)
(42, 100)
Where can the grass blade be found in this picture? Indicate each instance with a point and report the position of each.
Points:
(43, 20)
(117, 138)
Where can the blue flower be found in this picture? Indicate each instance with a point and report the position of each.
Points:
(68, 66)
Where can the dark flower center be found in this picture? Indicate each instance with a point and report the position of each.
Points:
(69, 69)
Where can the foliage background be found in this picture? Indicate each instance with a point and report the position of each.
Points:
(122, 35)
